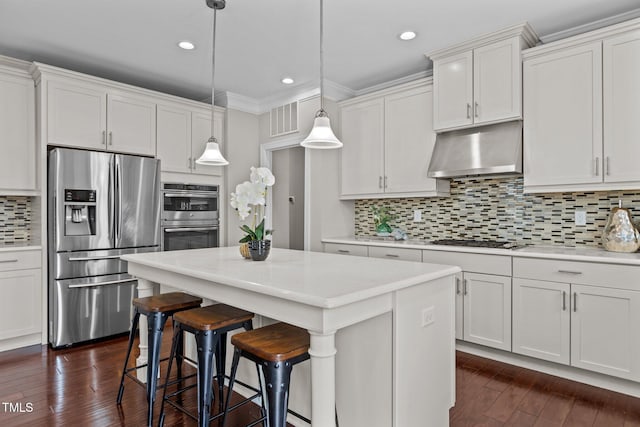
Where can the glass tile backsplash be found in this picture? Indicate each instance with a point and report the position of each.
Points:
(497, 208)
(15, 219)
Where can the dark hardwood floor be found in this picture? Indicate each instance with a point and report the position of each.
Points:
(78, 387)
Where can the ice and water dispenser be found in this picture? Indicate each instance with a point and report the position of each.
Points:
(80, 212)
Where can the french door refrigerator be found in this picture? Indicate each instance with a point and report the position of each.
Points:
(100, 206)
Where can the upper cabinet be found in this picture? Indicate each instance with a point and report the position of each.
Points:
(182, 135)
(86, 115)
(580, 112)
(17, 129)
(479, 82)
(388, 139)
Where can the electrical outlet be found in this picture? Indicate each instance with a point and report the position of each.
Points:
(581, 217)
(428, 316)
(417, 215)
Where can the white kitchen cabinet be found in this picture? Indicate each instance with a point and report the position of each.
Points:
(563, 117)
(487, 310)
(86, 115)
(388, 139)
(621, 86)
(580, 104)
(17, 132)
(20, 298)
(345, 249)
(541, 319)
(480, 81)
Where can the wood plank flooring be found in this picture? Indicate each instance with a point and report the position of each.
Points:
(78, 387)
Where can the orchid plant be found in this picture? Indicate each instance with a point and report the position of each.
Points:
(250, 199)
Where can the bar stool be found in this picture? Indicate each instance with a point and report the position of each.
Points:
(157, 309)
(275, 349)
(210, 326)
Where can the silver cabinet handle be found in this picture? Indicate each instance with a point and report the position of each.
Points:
(7, 261)
(385, 181)
(380, 181)
(464, 287)
(392, 255)
(189, 163)
(457, 285)
(607, 167)
(575, 301)
(343, 251)
(110, 138)
(569, 272)
(92, 285)
(468, 110)
(564, 301)
(475, 109)
(94, 258)
(597, 166)
(104, 137)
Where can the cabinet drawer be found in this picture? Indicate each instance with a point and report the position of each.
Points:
(583, 273)
(395, 253)
(340, 248)
(20, 260)
(477, 263)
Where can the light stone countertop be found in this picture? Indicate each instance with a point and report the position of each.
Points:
(584, 254)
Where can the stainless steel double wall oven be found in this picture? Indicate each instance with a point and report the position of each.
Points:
(189, 216)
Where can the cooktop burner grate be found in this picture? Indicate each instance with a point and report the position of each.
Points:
(476, 243)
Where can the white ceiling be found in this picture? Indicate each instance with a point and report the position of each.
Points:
(259, 41)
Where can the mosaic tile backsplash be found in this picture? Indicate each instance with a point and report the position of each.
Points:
(15, 219)
(498, 209)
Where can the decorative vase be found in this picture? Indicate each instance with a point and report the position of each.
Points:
(620, 235)
(259, 249)
(244, 250)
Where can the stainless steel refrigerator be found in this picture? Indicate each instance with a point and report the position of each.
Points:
(100, 206)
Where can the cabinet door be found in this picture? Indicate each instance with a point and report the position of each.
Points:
(76, 115)
(200, 134)
(362, 153)
(174, 138)
(487, 310)
(132, 124)
(20, 304)
(409, 140)
(459, 308)
(17, 133)
(563, 117)
(453, 91)
(497, 82)
(541, 319)
(405, 254)
(621, 68)
(604, 331)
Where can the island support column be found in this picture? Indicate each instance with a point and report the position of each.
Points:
(323, 379)
(145, 289)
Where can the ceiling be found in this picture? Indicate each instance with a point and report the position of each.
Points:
(259, 42)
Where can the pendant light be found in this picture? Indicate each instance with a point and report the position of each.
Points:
(321, 135)
(212, 155)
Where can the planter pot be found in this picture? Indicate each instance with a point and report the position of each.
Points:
(244, 250)
(259, 249)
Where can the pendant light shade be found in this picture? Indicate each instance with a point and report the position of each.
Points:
(212, 155)
(321, 135)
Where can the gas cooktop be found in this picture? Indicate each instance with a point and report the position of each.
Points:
(497, 244)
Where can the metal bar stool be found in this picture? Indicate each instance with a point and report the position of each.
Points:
(275, 349)
(157, 308)
(210, 326)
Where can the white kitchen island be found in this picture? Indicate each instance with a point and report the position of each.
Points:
(391, 322)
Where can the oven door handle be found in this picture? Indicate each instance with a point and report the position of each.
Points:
(191, 195)
(178, 230)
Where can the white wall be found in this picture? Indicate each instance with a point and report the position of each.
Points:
(242, 152)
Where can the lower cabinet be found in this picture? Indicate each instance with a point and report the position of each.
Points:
(20, 304)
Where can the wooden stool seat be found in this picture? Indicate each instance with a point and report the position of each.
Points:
(212, 317)
(170, 302)
(275, 343)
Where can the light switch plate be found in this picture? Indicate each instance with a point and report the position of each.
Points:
(417, 215)
(581, 217)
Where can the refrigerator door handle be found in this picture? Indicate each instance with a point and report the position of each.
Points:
(117, 194)
(94, 258)
(110, 202)
(92, 285)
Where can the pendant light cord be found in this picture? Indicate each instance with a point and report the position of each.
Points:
(321, 57)
(213, 74)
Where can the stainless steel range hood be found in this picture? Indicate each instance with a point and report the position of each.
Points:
(487, 150)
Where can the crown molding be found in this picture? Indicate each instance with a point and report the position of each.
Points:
(591, 26)
(395, 82)
(235, 101)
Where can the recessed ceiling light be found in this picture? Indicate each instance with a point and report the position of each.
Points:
(287, 80)
(186, 45)
(408, 35)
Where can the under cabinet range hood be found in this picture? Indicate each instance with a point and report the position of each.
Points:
(487, 150)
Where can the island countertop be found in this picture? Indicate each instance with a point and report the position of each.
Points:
(314, 278)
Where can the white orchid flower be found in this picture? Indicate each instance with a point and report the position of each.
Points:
(262, 175)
